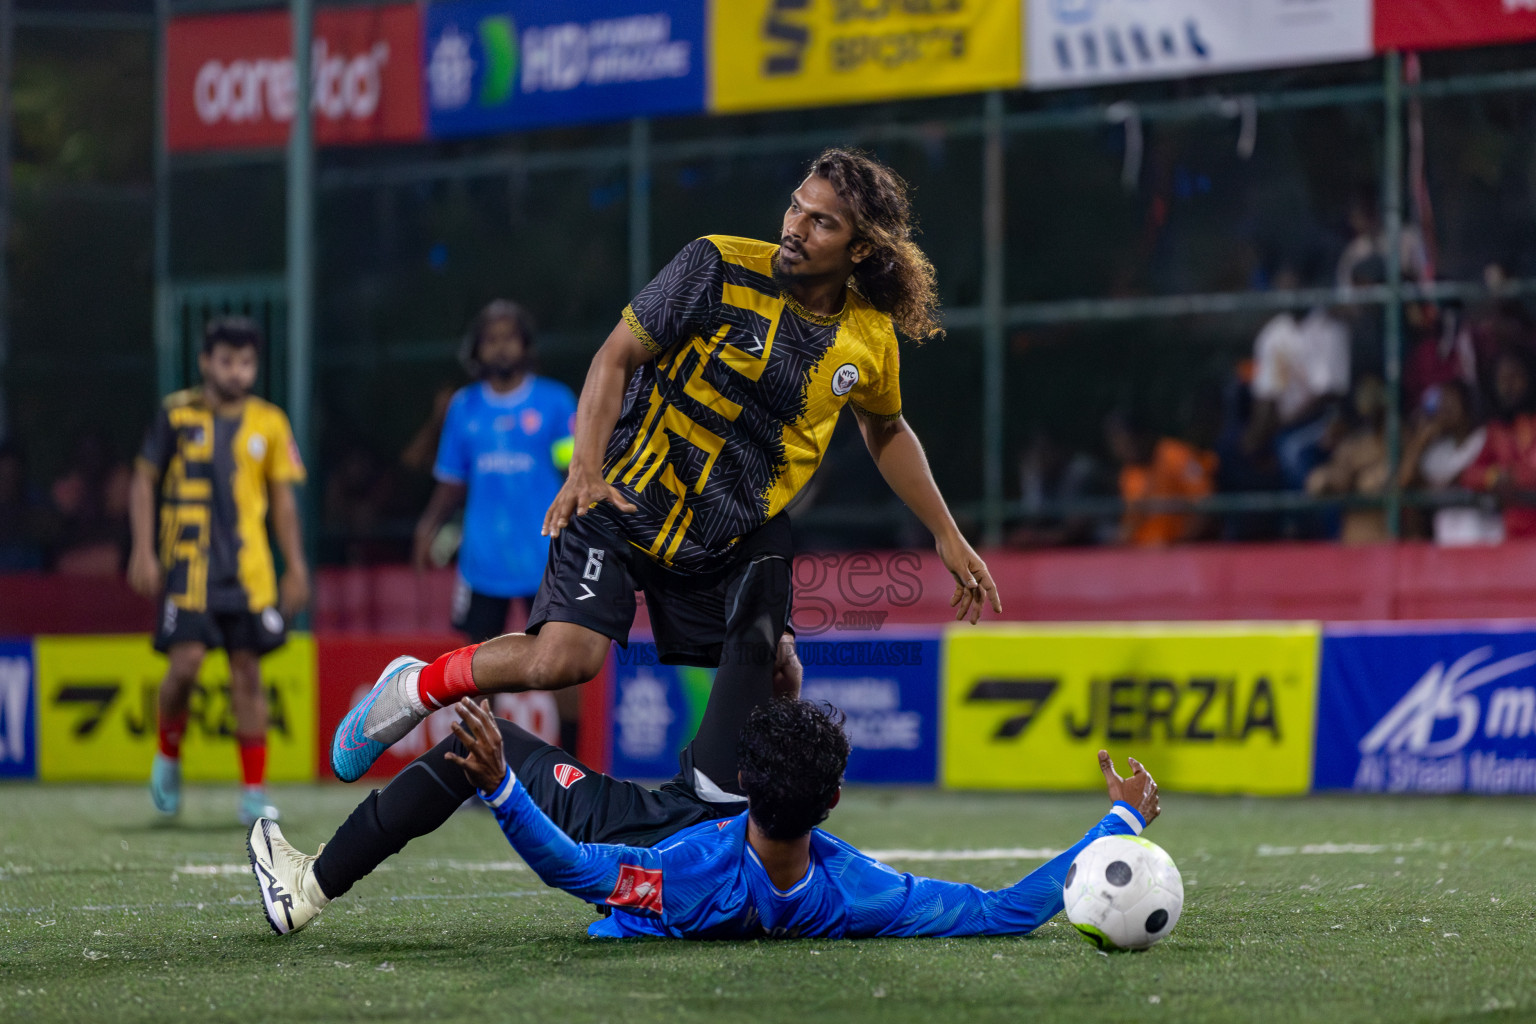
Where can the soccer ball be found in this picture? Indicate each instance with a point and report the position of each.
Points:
(1123, 892)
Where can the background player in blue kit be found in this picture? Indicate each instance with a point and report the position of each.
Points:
(669, 862)
(505, 446)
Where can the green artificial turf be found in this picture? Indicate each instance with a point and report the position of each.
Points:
(1422, 912)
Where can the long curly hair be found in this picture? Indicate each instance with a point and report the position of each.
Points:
(792, 754)
(897, 277)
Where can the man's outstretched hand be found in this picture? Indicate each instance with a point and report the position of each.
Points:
(476, 729)
(1140, 790)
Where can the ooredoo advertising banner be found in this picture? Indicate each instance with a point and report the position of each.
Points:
(1083, 42)
(1435, 711)
(1208, 707)
(794, 53)
(230, 83)
(502, 65)
(97, 712)
(1438, 24)
(18, 727)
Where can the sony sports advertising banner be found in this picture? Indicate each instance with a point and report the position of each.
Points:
(1083, 42)
(1440, 24)
(885, 685)
(503, 65)
(18, 727)
(230, 83)
(97, 711)
(1432, 710)
(350, 664)
(1208, 707)
(795, 53)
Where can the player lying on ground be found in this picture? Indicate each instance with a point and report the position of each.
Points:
(767, 871)
(703, 414)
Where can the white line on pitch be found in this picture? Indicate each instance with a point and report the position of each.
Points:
(997, 853)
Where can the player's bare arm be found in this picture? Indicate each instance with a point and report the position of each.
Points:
(446, 497)
(899, 455)
(293, 588)
(144, 573)
(483, 760)
(597, 411)
(1140, 790)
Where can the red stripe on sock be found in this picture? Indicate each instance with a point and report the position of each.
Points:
(171, 732)
(448, 678)
(253, 759)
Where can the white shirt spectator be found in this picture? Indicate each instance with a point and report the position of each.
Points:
(1441, 465)
(1297, 362)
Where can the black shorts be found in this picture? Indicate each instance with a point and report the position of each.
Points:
(262, 631)
(480, 617)
(591, 807)
(593, 573)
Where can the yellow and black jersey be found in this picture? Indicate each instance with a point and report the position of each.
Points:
(733, 416)
(214, 472)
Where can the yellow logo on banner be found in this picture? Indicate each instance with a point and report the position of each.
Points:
(788, 53)
(96, 711)
(1214, 708)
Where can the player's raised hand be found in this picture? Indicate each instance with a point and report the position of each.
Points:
(582, 490)
(1140, 790)
(482, 760)
(973, 583)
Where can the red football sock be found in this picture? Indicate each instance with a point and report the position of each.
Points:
(448, 678)
(171, 731)
(253, 759)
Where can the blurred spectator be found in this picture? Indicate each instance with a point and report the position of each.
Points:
(1506, 466)
(1238, 470)
(92, 503)
(359, 495)
(1442, 441)
(1164, 468)
(1301, 370)
(1369, 240)
(1443, 351)
(1358, 463)
(1050, 474)
(25, 520)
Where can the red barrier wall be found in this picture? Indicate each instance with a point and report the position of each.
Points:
(844, 591)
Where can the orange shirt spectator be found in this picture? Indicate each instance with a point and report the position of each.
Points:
(1176, 470)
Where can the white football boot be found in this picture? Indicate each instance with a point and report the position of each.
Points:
(290, 895)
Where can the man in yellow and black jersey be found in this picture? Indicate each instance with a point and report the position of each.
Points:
(706, 410)
(214, 461)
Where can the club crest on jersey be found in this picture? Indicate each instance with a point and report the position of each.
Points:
(568, 775)
(844, 379)
(532, 420)
(637, 888)
(257, 446)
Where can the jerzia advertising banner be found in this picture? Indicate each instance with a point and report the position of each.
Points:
(503, 65)
(1210, 707)
(795, 53)
(1081, 42)
(1438, 711)
(96, 712)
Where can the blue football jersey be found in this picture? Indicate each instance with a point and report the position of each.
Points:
(505, 449)
(706, 882)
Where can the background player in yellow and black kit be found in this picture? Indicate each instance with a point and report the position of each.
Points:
(706, 410)
(214, 461)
